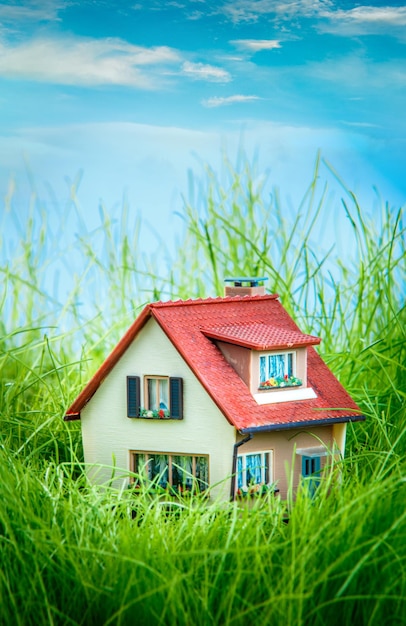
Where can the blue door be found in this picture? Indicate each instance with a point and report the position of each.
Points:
(311, 471)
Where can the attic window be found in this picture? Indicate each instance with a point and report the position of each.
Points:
(278, 370)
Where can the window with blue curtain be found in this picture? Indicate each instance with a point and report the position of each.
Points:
(239, 472)
(253, 469)
(275, 365)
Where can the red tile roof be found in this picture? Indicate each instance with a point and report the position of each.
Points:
(257, 322)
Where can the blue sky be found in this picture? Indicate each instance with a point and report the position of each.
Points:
(135, 93)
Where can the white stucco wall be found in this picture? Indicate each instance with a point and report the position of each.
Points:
(109, 435)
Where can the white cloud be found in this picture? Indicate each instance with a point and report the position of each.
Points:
(364, 20)
(360, 124)
(370, 15)
(78, 61)
(201, 71)
(252, 10)
(256, 45)
(358, 75)
(218, 101)
(13, 16)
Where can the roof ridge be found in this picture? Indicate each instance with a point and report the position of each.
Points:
(217, 300)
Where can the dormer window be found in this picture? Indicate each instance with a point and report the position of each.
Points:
(266, 357)
(278, 369)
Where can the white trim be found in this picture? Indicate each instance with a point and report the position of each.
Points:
(314, 452)
(289, 395)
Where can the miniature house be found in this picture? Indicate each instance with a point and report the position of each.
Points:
(225, 393)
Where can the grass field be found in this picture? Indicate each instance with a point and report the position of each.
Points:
(72, 553)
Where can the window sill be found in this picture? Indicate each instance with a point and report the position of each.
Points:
(156, 415)
(285, 395)
(158, 418)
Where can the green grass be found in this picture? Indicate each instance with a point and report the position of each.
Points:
(71, 553)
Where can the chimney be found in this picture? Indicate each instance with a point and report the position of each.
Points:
(244, 286)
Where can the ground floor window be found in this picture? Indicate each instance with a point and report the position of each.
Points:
(254, 470)
(180, 472)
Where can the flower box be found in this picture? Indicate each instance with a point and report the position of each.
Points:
(280, 381)
(159, 414)
(256, 490)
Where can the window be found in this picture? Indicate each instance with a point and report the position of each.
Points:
(163, 397)
(278, 370)
(311, 467)
(254, 469)
(157, 393)
(182, 473)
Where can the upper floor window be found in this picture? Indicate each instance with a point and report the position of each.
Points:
(162, 397)
(278, 370)
(157, 393)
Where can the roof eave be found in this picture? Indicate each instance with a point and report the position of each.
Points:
(260, 347)
(71, 417)
(303, 424)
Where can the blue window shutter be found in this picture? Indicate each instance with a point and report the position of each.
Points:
(176, 398)
(133, 396)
